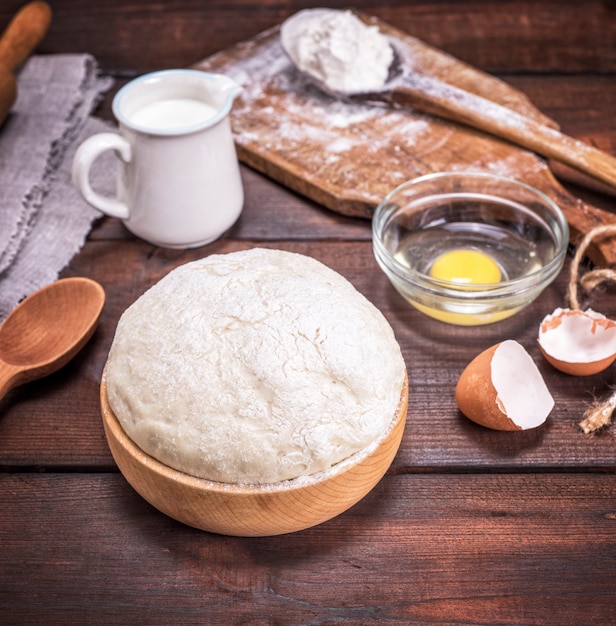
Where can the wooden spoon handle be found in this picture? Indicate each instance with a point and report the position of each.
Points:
(9, 377)
(434, 96)
(24, 32)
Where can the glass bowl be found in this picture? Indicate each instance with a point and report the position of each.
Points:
(469, 248)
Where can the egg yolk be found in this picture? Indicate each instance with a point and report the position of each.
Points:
(467, 267)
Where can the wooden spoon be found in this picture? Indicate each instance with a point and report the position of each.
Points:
(431, 95)
(22, 35)
(47, 329)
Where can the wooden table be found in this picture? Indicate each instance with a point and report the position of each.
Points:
(469, 526)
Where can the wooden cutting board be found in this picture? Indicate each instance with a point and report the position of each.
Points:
(348, 156)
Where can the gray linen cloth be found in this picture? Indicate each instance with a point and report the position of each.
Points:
(43, 220)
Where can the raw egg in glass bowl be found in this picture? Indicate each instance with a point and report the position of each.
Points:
(469, 248)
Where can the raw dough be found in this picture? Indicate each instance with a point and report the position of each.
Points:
(254, 367)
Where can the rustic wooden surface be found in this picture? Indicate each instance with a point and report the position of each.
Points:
(469, 526)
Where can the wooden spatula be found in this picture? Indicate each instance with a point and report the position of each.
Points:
(22, 35)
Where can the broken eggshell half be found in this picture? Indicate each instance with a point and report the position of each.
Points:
(503, 389)
(578, 342)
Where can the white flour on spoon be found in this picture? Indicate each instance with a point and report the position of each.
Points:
(345, 54)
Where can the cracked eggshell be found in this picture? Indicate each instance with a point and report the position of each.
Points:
(503, 389)
(577, 342)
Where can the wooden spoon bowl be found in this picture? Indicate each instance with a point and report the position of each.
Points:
(47, 329)
(253, 510)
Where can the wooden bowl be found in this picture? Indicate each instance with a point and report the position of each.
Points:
(253, 510)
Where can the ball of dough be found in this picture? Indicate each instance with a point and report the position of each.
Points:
(254, 367)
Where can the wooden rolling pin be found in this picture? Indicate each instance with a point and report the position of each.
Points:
(22, 35)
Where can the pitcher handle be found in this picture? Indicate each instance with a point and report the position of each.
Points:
(85, 156)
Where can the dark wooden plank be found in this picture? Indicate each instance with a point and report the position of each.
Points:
(55, 422)
(417, 549)
(495, 36)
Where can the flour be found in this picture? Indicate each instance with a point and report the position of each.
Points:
(254, 367)
(342, 52)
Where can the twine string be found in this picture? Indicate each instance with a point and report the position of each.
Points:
(593, 278)
(599, 415)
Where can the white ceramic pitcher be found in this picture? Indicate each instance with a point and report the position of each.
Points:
(179, 182)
